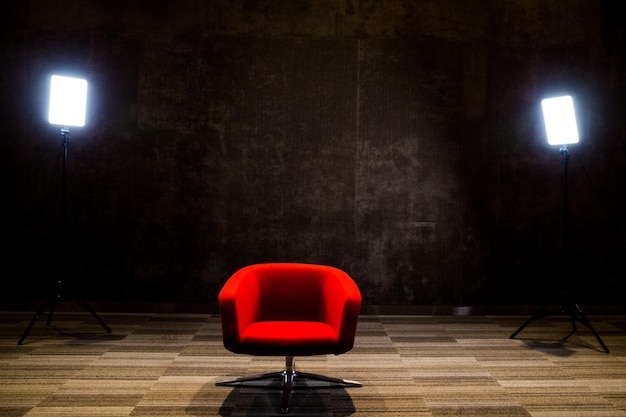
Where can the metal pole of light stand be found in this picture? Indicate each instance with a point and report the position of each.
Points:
(65, 132)
(567, 306)
(66, 141)
(51, 300)
(565, 232)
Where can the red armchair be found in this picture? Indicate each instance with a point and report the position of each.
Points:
(289, 309)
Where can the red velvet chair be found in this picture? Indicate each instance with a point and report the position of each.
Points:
(289, 309)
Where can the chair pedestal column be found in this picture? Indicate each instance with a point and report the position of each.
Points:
(288, 375)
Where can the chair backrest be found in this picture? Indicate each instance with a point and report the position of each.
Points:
(291, 293)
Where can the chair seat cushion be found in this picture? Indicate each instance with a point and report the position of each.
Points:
(295, 338)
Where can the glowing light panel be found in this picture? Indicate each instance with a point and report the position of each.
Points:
(68, 101)
(560, 120)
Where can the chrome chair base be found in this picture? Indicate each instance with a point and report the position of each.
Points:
(291, 380)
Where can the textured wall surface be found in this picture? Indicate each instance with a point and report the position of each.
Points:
(398, 140)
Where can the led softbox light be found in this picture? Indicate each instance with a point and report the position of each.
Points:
(68, 101)
(560, 120)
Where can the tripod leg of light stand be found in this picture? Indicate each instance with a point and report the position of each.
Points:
(575, 315)
(579, 316)
(539, 314)
(87, 307)
(569, 309)
(53, 304)
(50, 301)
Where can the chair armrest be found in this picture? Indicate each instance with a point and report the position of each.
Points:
(238, 303)
(342, 306)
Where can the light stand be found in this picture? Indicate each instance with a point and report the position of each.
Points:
(67, 107)
(561, 128)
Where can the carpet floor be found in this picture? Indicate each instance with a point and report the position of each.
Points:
(413, 366)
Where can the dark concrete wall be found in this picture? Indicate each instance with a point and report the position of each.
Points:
(399, 140)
